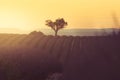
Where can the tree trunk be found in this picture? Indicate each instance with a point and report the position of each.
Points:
(56, 32)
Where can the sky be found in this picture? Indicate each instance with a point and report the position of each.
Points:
(27, 15)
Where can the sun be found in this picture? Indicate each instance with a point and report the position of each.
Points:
(13, 20)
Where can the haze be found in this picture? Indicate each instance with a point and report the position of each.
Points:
(22, 16)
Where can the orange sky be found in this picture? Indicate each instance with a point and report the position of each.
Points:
(27, 15)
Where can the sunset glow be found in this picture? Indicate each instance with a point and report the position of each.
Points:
(28, 15)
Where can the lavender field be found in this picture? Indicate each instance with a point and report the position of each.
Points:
(40, 57)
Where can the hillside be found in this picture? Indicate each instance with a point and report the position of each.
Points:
(80, 32)
(35, 56)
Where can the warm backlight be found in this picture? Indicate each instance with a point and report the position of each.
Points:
(28, 15)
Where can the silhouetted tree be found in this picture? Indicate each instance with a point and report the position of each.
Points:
(57, 25)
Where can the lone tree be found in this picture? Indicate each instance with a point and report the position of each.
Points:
(57, 25)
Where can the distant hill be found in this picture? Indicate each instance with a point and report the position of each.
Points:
(67, 32)
(80, 32)
(13, 31)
